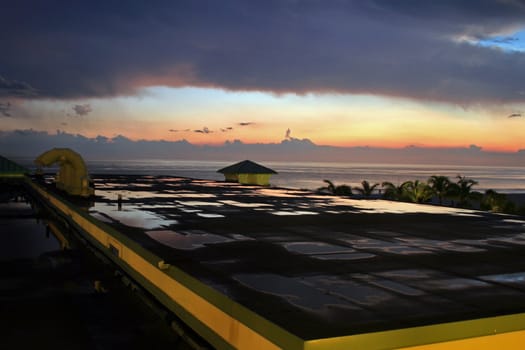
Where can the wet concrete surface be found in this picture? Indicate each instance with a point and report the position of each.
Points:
(322, 266)
(49, 299)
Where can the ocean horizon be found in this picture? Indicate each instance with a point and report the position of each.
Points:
(310, 175)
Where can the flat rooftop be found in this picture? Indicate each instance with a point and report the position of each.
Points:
(322, 266)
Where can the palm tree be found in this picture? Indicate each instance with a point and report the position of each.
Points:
(440, 186)
(418, 192)
(462, 190)
(393, 192)
(330, 187)
(341, 190)
(494, 201)
(366, 189)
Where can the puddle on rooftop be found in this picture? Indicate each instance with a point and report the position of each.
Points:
(272, 192)
(385, 246)
(390, 285)
(177, 194)
(292, 290)
(139, 184)
(200, 203)
(349, 290)
(510, 278)
(187, 240)
(126, 194)
(515, 239)
(245, 205)
(452, 284)
(344, 256)
(210, 215)
(411, 274)
(293, 213)
(316, 248)
(132, 216)
(393, 207)
(437, 245)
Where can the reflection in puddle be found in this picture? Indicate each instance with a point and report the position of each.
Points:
(410, 274)
(517, 239)
(452, 284)
(349, 290)
(199, 203)
(245, 205)
(316, 248)
(432, 244)
(512, 278)
(210, 215)
(186, 240)
(281, 193)
(177, 194)
(290, 289)
(393, 286)
(293, 213)
(344, 256)
(514, 221)
(385, 246)
(132, 216)
(394, 207)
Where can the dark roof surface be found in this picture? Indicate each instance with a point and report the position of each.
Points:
(323, 266)
(246, 167)
(9, 167)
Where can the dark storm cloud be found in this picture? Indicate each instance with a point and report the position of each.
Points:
(414, 49)
(15, 88)
(5, 109)
(82, 110)
(204, 130)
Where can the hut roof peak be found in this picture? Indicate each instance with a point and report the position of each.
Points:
(246, 167)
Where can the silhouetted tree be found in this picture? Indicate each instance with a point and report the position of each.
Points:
(496, 202)
(462, 191)
(366, 189)
(394, 192)
(418, 192)
(341, 190)
(440, 186)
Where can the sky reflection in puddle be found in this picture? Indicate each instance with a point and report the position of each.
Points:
(210, 215)
(293, 213)
(199, 203)
(186, 240)
(245, 205)
(393, 207)
(385, 246)
(350, 290)
(176, 194)
(132, 216)
(507, 278)
(316, 248)
(437, 245)
(292, 290)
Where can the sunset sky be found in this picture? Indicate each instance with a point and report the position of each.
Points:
(342, 73)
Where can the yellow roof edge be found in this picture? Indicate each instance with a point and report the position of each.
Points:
(422, 335)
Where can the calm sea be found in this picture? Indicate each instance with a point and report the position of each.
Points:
(310, 175)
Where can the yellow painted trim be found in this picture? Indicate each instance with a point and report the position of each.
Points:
(12, 175)
(424, 335)
(64, 242)
(504, 341)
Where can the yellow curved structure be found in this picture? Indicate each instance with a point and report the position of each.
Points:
(72, 176)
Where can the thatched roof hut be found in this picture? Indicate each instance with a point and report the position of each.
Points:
(248, 173)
